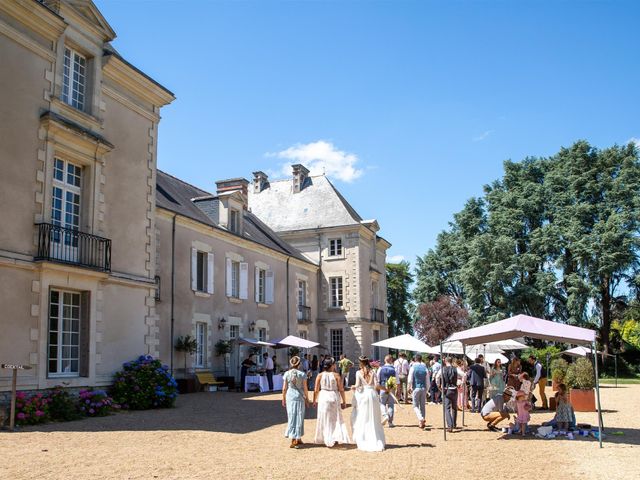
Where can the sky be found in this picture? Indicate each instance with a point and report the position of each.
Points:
(410, 107)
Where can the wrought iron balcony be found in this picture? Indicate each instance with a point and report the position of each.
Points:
(65, 245)
(304, 314)
(377, 315)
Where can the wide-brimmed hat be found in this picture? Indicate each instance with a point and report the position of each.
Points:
(295, 361)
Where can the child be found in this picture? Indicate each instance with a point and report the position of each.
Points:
(523, 407)
(525, 385)
(564, 410)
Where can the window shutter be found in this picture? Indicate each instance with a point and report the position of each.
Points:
(194, 269)
(269, 286)
(229, 274)
(244, 281)
(210, 272)
(257, 285)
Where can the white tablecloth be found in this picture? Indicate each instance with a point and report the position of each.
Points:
(262, 381)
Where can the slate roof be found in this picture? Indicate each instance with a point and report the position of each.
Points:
(319, 204)
(192, 202)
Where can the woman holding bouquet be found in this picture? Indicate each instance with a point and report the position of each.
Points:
(366, 419)
(329, 398)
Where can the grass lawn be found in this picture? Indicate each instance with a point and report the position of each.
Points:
(621, 381)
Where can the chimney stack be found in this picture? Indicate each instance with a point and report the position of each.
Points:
(234, 185)
(260, 181)
(300, 175)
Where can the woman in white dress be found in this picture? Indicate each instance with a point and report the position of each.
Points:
(329, 398)
(366, 418)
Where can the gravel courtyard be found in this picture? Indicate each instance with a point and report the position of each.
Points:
(232, 435)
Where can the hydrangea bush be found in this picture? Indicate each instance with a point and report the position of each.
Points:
(63, 406)
(31, 410)
(95, 403)
(143, 384)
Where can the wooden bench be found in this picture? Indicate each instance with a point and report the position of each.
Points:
(207, 379)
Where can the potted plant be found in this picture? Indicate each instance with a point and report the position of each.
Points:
(581, 381)
(223, 347)
(187, 345)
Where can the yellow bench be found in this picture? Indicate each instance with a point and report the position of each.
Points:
(208, 379)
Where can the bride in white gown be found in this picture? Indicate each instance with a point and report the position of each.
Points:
(366, 418)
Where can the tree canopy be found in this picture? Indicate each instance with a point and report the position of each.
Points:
(555, 238)
(399, 278)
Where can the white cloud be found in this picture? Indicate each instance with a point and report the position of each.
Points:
(635, 140)
(482, 136)
(321, 157)
(395, 259)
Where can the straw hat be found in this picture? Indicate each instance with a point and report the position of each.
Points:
(295, 361)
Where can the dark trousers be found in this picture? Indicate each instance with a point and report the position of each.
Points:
(451, 406)
(243, 376)
(270, 379)
(434, 392)
(477, 394)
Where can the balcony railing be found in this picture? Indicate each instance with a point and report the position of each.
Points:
(65, 245)
(304, 314)
(377, 315)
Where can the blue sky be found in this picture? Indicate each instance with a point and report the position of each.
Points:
(409, 106)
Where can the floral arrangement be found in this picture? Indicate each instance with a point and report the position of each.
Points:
(391, 384)
(95, 403)
(143, 384)
(31, 410)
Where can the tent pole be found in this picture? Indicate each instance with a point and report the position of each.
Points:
(593, 354)
(444, 415)
(464, 385)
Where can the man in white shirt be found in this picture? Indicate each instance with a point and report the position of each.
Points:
(268, 367)
(402, 372)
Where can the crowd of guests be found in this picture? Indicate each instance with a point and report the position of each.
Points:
(493, 391)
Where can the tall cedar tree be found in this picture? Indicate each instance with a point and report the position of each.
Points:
(555, 238)
(399, 279)
(439, 319)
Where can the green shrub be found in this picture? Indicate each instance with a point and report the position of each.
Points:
(580, 375)
(63, 407)
(143, 384)
(559, 368)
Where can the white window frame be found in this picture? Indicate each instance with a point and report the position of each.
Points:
(336, 248)
(336, 340)
(66, 198)
(261, 285)
(205, 283)
(74, 79)
(262, 337)
(336, 292)
(302, 293)
(235, 279)
(201, 345)
(234, 332)
(64, 338)
(234, 220)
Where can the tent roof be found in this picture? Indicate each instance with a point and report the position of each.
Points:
(293, 341)
(491, 357)
(525, 326)
(256, 343)
(404, 342)
(582, 352)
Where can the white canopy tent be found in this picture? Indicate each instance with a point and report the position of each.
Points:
(457, 348)
(293, 341)
(404, 342)
(526, 326)
(489, 357)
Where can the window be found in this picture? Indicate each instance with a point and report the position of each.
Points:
(336, 292)
(336, 343)
(261, 285)
(65, 208)
(201, 344)
(335, 247)
(302, 334)
(157, 290)
(376, 350)
(374, 294)
(64, 333)
(74, 79)
(234, 331)
(302, 293)
(264, 285)
(234, 221)
(262, 336)
(237, 279)
(201, 271)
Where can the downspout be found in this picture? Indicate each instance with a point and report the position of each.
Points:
(288, 306)
(173, 285)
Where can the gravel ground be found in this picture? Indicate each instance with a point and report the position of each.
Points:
(232, 435)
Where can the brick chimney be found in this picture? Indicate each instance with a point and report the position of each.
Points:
(300, 175)
(234, 185)
(260, 181)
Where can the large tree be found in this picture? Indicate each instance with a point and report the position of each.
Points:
(399, 280)
(438, 319)
(555, 238)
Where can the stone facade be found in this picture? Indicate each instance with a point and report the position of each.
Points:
(78, 195)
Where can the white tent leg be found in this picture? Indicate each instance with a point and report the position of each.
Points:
(593, 354)
(464, 386)
(444, 415)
